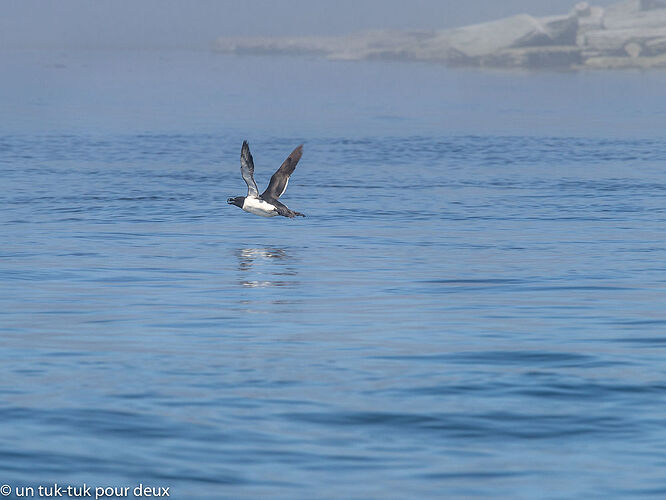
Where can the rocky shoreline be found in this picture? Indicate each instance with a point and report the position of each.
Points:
(629, 34)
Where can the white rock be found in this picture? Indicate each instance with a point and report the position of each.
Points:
(561, 30)
(625, 8)
(482, 39)
(636, 14)
(633, 49)
(582, 9)
(596, 11)
(652, 4)
(534, 57)
(614, 41)
(655, 46)
(631, 33)
(605, 62)
(479, 40)
(592, 22)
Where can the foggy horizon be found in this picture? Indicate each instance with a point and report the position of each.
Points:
(169, 24)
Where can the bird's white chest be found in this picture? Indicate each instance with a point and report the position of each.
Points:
(259, 207)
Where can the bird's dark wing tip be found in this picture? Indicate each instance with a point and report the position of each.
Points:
(296, 154)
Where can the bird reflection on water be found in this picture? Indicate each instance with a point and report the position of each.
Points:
(265, 267)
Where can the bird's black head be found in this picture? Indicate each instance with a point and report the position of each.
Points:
(238, 201)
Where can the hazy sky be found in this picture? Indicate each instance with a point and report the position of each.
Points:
(196, 23)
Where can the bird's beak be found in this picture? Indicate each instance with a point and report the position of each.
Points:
(230, 201)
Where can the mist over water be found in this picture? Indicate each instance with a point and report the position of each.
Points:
(473, 306)
(167, 24)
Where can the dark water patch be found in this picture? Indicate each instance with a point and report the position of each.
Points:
(645, 341)
(591, 391)
(473, 475)
(474, 282)
(585, 391)
(519, 358)
(656, 492)
(494, 425)
(48, 462)
(115, 424)
(582, 288)
(640, 322)
(454, 286)
(217, 479)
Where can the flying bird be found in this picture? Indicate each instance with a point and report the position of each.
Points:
(266, 204)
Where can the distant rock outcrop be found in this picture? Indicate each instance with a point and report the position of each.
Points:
(629, 34)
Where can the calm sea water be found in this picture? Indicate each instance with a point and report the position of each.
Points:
(475, 305)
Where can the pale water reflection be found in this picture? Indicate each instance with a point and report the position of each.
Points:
(266, 267)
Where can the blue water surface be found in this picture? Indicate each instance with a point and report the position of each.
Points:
(474, 306)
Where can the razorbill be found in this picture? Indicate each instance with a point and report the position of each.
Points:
(266, 204)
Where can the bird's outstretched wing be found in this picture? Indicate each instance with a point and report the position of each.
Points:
(247, 170)
(278, 184)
